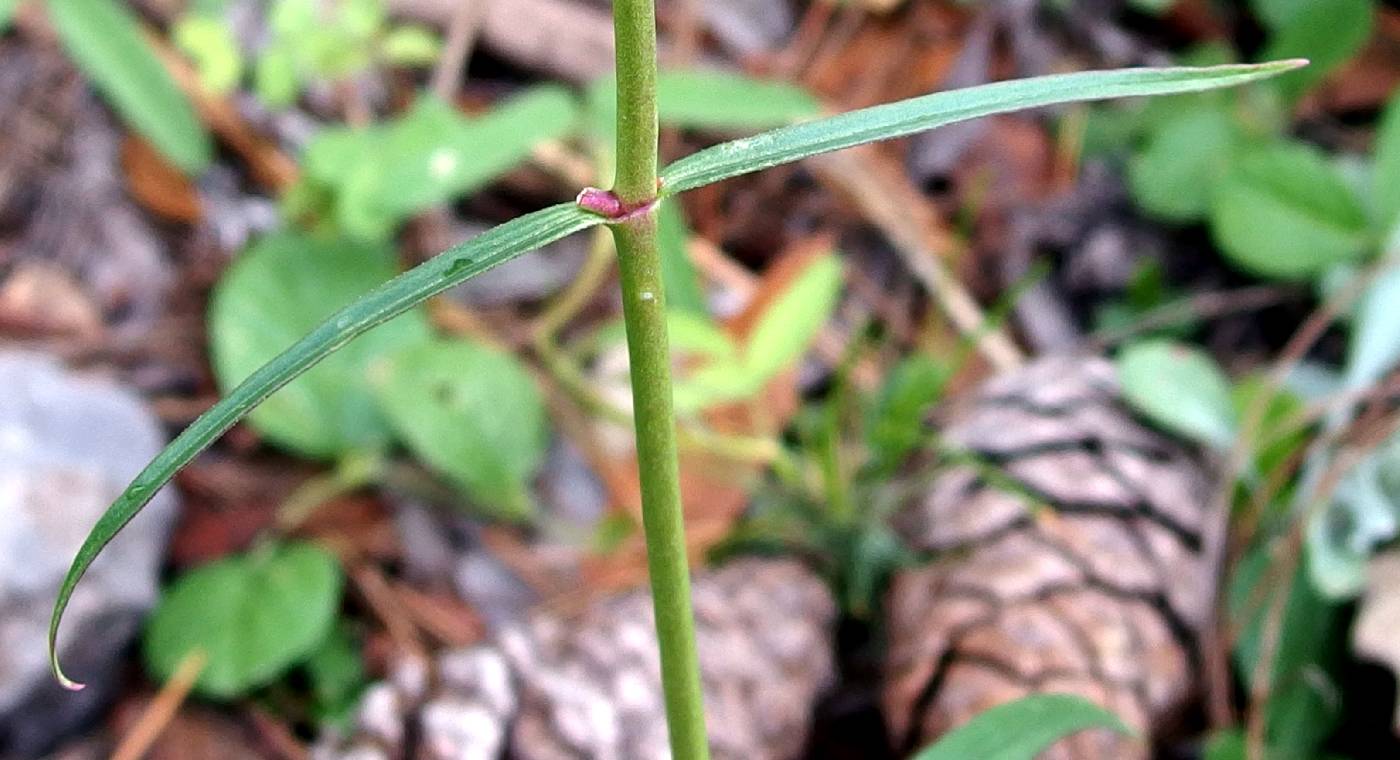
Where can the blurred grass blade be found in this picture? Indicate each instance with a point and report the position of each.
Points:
(906, 117)
(1022, 729)
(104, 38)
(389, 300)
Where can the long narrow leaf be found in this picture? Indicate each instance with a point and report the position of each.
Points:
(104, 38)
(1022, 729)
(906, 117)
(389, 300)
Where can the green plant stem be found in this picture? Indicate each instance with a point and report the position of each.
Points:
(644, 310)
(634, 30)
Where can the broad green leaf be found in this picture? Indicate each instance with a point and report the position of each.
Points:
(474, 414)
(276, 292)
(683, 291)
(1386, 191)
(1327, 33)
(1171, 177)
(907, 117)
(1180, 388)
(252, 615)
(1283, 211)
(792, 320)
(395, 297)
(104, 38)
(1022, 729)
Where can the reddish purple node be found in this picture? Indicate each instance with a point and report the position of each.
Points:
(601, 202)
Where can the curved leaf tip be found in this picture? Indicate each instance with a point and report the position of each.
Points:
(63, 680)
(487, 250)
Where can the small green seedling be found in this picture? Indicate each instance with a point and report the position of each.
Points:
(1277, 207)
(629, 210)
(309, 42)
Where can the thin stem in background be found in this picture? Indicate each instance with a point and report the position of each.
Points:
(461, 33)
(644, 311)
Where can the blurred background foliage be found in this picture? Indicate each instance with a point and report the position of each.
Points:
(1234, 251)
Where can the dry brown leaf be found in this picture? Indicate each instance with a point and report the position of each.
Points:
(158, 185)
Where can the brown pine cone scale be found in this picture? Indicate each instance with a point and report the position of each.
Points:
(1067, 545)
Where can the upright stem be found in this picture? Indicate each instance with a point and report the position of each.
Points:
(644, 309)
(634, 33)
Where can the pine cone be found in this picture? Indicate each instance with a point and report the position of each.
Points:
(591, 687)
(1068, 560)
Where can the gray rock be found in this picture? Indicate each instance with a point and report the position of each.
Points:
(747, 27)
(68, 445)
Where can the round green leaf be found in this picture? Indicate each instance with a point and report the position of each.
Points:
(279, 290)
(1170, 178)
(252, 615)
(1022, 729)
(474, 414)
(1180, 388)
(1283, 211)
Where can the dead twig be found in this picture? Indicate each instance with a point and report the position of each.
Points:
(162, 709)
(461, 35)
